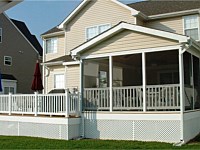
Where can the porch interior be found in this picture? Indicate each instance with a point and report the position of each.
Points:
(162, 82)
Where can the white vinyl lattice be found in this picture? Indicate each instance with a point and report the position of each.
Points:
(109, 129)
(74, 131)
(164, 131)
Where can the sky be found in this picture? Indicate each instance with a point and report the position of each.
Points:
(42, 15)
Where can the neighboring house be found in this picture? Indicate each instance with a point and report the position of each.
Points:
(6, 4)
(136, 66)
(19, 50)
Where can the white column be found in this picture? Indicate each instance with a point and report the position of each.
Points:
(192, 65)
(65, 78)
(36, 103)
(111, 82)
(182, 95)
(144, 81)
(67, 102)
(81, 86)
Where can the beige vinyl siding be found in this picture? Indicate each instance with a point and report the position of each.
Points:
(50, 78)
(129, 40)
(60, 49)
(174, 24)
(73, 77)
(95, 13)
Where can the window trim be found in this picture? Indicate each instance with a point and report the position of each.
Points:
(86, 39)
(56, 51)
(5, 60)
(1, 38)
(198, 24)
(58, 73)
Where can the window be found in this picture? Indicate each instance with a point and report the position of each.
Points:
(59, 81)
(95, 30)
(0, 35)
(8, 90)
(191, 26)
(8, 60)
(51, 45)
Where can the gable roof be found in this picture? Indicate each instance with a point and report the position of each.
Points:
(52, 30)
(85, 2)
(31, 38)
(6, 4)
(122, 26)
(161, 7)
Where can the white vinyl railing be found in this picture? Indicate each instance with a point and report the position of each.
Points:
(96, 98)
(158, 97)
(40, 104)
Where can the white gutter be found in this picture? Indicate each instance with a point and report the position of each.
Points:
(71, 63)
(174, 14)
(53, 34)
(52, 63)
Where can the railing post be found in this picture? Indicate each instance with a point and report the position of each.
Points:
(10, 103)
(67, 102)
(36, 103)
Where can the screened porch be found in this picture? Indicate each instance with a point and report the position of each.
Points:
(140, 82)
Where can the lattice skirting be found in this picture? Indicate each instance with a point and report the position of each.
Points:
(38, 129)
(141, 130)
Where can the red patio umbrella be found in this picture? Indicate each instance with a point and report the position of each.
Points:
(37, 81)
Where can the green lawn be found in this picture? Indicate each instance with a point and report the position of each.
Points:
(40, 143)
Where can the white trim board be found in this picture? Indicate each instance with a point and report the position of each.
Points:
(123, 26)
(8, 4)
(85, 2)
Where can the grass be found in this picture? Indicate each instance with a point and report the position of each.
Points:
(9, 142)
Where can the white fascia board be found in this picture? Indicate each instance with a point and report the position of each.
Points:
(174, 14)
(9, 4)
(133, 11)
(53, 34)
(97, 39)
(7, 80)
(82, 4)
(122, 26)
(164, 34)
(71, 63)
(53, 63)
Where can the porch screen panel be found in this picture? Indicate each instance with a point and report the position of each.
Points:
(188, 81)
(96, 84)
(127, 83)
(162, 75)
(196, 82)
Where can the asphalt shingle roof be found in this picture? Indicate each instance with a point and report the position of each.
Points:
(161, 7)
(52, 30)
(32, 38)
(8, 77)
(66, 58)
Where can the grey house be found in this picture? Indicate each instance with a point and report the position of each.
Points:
(19, 50)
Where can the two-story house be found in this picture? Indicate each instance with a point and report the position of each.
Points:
(19, 50)
(136, 66)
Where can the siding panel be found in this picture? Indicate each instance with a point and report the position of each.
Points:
(174, 24)
(129, 40)
(73, 77)
(95, 13)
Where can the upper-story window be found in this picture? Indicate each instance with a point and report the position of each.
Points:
(0, 35)
(191, 26)
(95, 30)
(59, 81)
(51, 45)
(8, 60)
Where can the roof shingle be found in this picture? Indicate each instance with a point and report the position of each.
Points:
(52, 30)
(161, 7)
